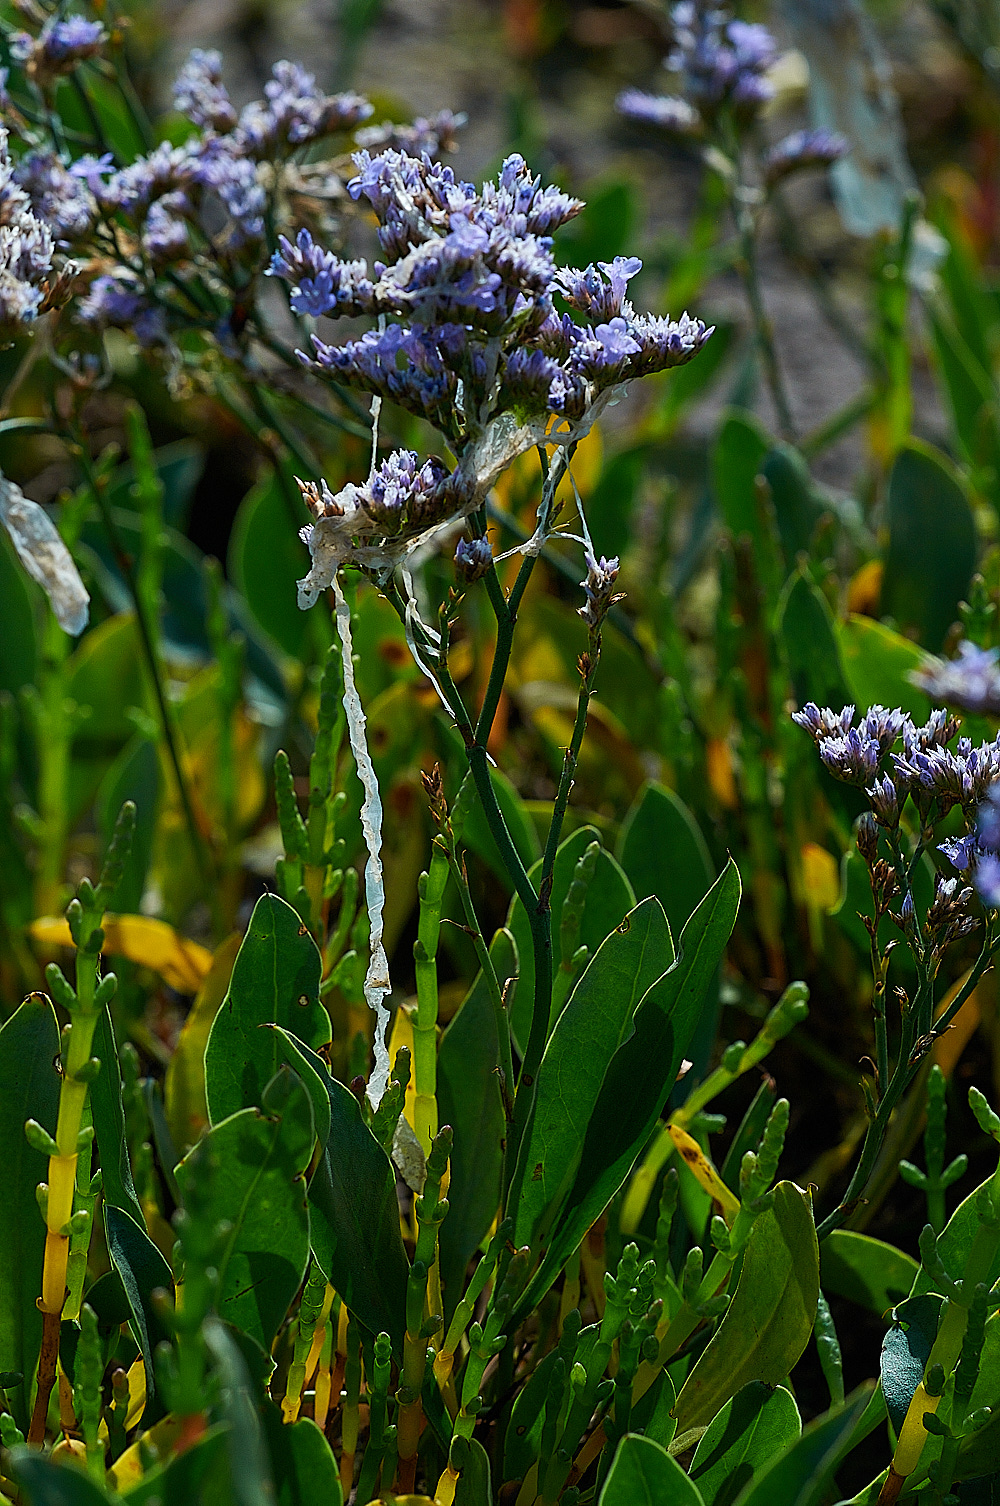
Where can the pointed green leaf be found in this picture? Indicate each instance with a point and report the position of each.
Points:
(664, 853)
(305, 1470)
(609, 898)
(29, 1089)
(355, 1219)
(108, 1113)
(275, 982)
(472, 1461)
(592, 1026)
(806, 630)
(469, 1100)
(770, 1318)
(742, 1440)
(797, 507)
(643, 1474)
(932, 544)
(142, 1270)
(803, 1474)
(258, 1160)
(739, 454)
(642, 1073)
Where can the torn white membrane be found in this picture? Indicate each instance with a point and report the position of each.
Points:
(45, 557)
(377, 983)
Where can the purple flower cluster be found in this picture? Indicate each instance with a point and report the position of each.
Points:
(599, 589)
(437, 134)
(26, 251)
(935, 768)
(971, 681)
(201, 202)
(720, 63)
(804, 149)
(471, 277)
(473, 558)
(59, 46)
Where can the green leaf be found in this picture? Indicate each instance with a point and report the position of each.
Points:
(653, 1414)
(770, 1318)
(642, 1072)
(305, 1471)
(29, 1089)
(663, 852)
(109, 1123)
(48, 1484)
(275, 982)
(796, 505)
(806, 629)
(257, 1162)
(472, 1461)
(905, 1351)
(312, 1071)
(803, 1474)
(737, 460)
(955, 1243)
(932, 544)
(878, 664)
(105, 675)
(143, 1271)
(609, 899)
(865, 1270)
(355, 1219)
(742, 1440)
(590, 1029)
(643, 1474)
(249, 1473)
(267, 558)
(18, 646)
(469, 1100)
(197, 1477)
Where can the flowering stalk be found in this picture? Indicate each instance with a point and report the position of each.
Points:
(84, 1004)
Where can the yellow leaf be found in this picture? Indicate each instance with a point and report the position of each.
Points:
(184, 1083)
(402, 1035)
(820, 877)
(704, 1172)
(864, 589)
(128, 1468)
(149, 943)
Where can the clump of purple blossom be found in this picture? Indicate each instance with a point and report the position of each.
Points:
(894, 759)
(473, 558)
(59, 47)
(470, 336)
(722, 66)
(599, 589)
(26, 252)
(970, 681)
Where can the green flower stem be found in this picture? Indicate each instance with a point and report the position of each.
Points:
(430, 889)
(587, 665)
(310, 1310)
(84, 1003)
(148, 642)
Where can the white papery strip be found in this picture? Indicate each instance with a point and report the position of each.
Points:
(45, 557)
(377, 983)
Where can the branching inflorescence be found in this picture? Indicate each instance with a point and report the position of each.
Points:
(470, 336)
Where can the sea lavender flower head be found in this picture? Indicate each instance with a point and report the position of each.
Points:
(200, 94)
(665, 111)
(26, 252)
(295, 112)
(970, 681)
(801, 150)
(599, 589)
(58, 48)
(57, 195)
(821, 724)
(473, 558)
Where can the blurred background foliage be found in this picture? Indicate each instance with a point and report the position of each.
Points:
(760, 568)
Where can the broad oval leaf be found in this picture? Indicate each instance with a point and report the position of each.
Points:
(249, 1171)
(642, 1072)
(802, 1475)
(742, 1440)
(770, 1318)
(469, 1100)
(48, 1484)
(305, 1470)
(643, 1474)
(737, 459)
(877, 666)
(142, 1270)
(868, 1271)
(806, 629)
(267, 558)
(932, 544)
(355, 1219)
(275, 981)
(590, 1029)
(664, 853)
(29, 1089)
